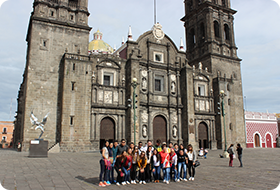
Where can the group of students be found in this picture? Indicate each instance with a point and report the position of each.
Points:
(137, 163)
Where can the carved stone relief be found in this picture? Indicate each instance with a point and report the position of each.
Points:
(144, 117)
(100, 96)
(116, 96)
(174, 118)
(108, 97)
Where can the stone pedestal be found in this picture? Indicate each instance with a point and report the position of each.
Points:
(38, 149)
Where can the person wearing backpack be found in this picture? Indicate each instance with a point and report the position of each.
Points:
(230, 151)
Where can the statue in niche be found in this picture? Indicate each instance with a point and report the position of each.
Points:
(175, 131)
(144, 84)
(173, 88)
(200, 66)
(144, 131)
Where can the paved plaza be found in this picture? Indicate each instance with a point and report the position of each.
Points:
(77, 171)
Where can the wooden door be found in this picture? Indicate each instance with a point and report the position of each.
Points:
(203, 135)
(257, 140)
(268, 141)
(107, 130)
(159, 129)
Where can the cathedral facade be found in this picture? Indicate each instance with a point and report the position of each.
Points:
(88, 92)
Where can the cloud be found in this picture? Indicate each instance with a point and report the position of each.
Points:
(1, 2)
(277, 1)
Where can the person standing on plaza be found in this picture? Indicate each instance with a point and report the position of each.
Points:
(142, 163)
(115, 151)
(119, 167)
(103, 161)
(173, 157)
(135, 156)
(156, 165)
(131, 145)
(182, 163)
(170, 147)
(110, 162)
(149, 154)
(192, 157)
(176, 148)
(158, 146)
(123, 146)
(140, 147)
(230, 151)
(127, 166)
(165, 161)
(239, 150)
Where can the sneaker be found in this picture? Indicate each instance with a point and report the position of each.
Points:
(167, 182)
(134, 182)
(108, 182)
(123, 183)
(185, 179)
(181, 179)
(127, 182)
(164, 181)
(105, 183)
(144, 182)
(101, 184)
(140, 182)
(178, 180)
(118, 184)
(192, 178)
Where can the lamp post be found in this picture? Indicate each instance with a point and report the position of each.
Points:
(134, 84)
(222, 95)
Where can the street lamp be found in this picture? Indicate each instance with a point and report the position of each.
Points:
(222, 96)
(134, 84)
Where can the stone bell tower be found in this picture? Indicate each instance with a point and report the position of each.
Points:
(55, 27)
(210, 40)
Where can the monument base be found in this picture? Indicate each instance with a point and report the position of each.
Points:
(38, 148)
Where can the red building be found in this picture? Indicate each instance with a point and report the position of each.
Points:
(261, 130)
(6, 133)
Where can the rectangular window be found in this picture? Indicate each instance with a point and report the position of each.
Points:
(159, 83)
(4, 130)
(158, 57)
(73, 86)
(201, 90)
(4, 138)
(71, 120)
(108, 79)
(74, 66)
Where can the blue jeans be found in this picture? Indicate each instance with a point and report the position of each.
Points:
(127, 174)
(166, 174)
(175, 172)
(180, 165)
(156, 172)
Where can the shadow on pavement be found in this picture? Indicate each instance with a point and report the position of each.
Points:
(93, 180)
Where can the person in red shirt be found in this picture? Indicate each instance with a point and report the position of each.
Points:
(127, 166)
(165, 161)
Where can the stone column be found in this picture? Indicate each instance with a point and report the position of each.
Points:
(123, 127)
(96, 129)
(179, 126)
(119, 128)
(92, 126)
(150, 126)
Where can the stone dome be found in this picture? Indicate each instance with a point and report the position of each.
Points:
(97, 45)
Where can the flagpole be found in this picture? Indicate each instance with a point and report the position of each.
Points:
(155, 12)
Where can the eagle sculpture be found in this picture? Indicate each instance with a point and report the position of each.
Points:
(39, 125)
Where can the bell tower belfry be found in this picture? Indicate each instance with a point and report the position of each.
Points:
(211, 46)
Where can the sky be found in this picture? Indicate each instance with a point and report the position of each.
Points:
(257, 30)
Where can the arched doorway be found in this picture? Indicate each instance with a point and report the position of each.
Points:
(107, 130)
(159, 129)
(257, 140)
(268, 140)
(203, 135)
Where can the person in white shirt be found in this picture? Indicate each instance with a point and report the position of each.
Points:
(192, 157)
